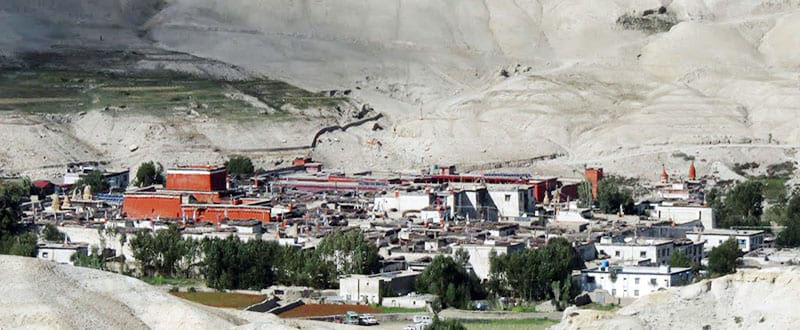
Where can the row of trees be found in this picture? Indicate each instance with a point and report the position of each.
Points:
(448, 278)
(235, 264)
(535, 274)
(14, 239)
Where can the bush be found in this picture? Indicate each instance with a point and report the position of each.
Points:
(149, 173)
(192, 290)
(95, 179)
(240, 165)
(439, 324)
(722, 259)
(51, 233)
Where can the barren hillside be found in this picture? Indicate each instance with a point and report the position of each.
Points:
(464, 82)
(44, 295)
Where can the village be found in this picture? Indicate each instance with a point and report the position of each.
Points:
(620, 249)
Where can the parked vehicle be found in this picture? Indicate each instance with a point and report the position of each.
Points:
(367, 319)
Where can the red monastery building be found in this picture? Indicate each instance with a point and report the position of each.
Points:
(197, 193)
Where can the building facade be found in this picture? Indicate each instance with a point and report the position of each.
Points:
(634, 281)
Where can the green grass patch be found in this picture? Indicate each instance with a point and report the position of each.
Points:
(599, 307)
(774, 188)
(524, 309)
(385, 309)
(160, 94)
(160, 280)
(221, 299)
(509, 324)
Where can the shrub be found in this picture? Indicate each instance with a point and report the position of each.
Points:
(240, 165)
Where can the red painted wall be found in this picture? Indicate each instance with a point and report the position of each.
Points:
(216, 214)
(148, 207)
(197, 182)
(594, 175)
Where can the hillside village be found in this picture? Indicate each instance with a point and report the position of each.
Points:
(389, 239)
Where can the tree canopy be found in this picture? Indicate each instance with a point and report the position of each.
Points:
(240, 165)
(740, 206)
(350, 251)
(450, 281)
(164, 252)
(530, 273)
(51, 233)
(679, 259)
(611, 195)
(95, 179)
(790, 235)
(13, 239)
(149, 173)
(722, 259)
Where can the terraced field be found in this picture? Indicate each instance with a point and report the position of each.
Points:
(163, 93)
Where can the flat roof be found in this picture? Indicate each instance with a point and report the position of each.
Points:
(728, 232)
(639, 242)
(641, 270)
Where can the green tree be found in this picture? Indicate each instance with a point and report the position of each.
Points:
(529, 274)
(790, 219)
(350, 251)
(585, 197)
(13, 238)
(240, 165)
(94, 260)
(52, 234)
(722, 259)
(742, 205)
(95, 179)
(149, 173)
(611, 195)
(164, 252)
(462, 257)
(450, 281)
(679, 259)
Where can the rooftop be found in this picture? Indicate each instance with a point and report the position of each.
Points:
(728, 232)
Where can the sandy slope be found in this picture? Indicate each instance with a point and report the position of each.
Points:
(749, 299)
(723, 79)
(43, 295)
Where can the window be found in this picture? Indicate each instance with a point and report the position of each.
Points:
(616, 253)
(613, 292)
(508, 198)
(652, 281)
(44, 254)
(643, 254)
(636, 280)
(636, 293)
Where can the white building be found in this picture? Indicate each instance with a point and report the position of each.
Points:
(409, 301)
(492, 202)
(369, 289)
(681, 213)
(638, 251)
(61, 253)
(512, 201)
(397, 204)
(479, 254)
(634, 281)
(435, 214)
(748, 240)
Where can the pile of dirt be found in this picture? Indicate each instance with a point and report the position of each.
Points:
(748, 299)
